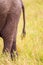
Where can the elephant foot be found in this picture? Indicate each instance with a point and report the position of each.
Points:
(14, 55)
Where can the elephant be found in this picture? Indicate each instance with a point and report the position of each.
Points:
(10, 11)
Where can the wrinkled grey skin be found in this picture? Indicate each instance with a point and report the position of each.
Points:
(10, 11)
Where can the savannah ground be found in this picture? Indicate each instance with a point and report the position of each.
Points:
(30, 48)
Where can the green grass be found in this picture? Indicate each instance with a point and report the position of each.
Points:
(30, 49)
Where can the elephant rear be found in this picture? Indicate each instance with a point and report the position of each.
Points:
(4, 8)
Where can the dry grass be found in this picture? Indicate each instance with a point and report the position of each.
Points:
(30, 49)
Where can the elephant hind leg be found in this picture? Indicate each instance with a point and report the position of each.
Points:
(7, 43)
(7, 35)
(14, 50)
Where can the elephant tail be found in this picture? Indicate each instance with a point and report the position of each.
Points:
(23, 31)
